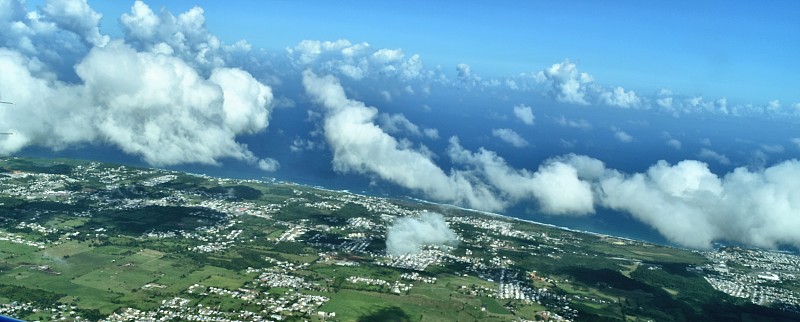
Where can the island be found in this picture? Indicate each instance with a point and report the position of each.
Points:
(92, 241)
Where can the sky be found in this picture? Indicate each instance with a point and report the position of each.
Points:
(678, 117)
(744, 51)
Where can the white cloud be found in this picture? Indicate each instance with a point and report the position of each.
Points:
(161, 94)
(398, 123)
(387, 56)
(432, 134)
(559, 190)
(664, 99)
(707, 154)
(268, 164)
(566, 83)
(57, 40)
(621, 135)
(149, 105)
(524, 114)
(690, 205)
(510, 137)
(674, 143)
(555, 186)
(407, 235)
(360, 146)
(685, 202)
(184, 36)
(465, 75)
(487, 182)
(620, 98)
(356, 61)
(579, 124)
(774, 148)
(76, 16)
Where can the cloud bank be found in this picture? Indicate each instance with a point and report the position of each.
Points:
(407, 235)
(691, 206)
(685, 202)
(355, 61)
(484, 181)
(152, 104)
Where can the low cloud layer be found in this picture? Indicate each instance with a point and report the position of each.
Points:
(407, 235)
(685, 202)
(691, 206)
(355, 61)
(483, 180)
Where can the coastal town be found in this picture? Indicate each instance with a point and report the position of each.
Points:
(254, 250)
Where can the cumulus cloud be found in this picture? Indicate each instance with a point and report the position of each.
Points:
(692, 206)
(483, 180)
(399, 124)
(555, 186)
(76, 16)
(268, 164)
(150, 104)
(559, 190)
(685, 202)
(566, 83)
(707, 154)
(524, 114)
(360, 146)
(432, 134)
(621, 135)
(355, 61)
(58, 37)
(620, 98)
(408, 235)
(465, 74)
(664, 99)
(184, 36)
(510, 137)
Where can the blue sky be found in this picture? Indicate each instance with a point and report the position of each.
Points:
(743, 50)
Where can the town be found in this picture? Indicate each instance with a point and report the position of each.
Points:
(93, 241)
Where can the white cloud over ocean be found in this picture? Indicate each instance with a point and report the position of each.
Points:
(152, 103)
(685, 202)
